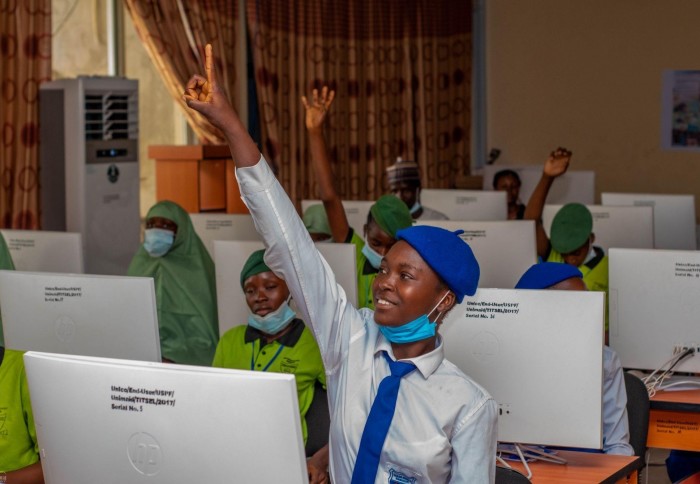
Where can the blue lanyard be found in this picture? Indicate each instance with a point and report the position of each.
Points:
(253, 359)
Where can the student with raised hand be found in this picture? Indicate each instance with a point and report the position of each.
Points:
(387, 216)
(275, 340)
(565, 277)
(509, 181)
(571, 235)
(404, 181)
(19, 450)
(183, 272)
(399, 410)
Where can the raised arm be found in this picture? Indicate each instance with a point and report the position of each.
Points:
(290, 251)
(204, 95)
(316, 111)
(555, 166)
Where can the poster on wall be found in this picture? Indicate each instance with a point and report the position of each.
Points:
(680, 117)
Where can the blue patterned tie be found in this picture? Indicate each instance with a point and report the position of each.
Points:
(378, 422)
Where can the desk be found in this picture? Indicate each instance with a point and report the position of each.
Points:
(674, 420)
(584, 467)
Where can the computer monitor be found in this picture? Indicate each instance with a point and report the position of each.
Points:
(466, 204)
(355, 210)
(107, 316)
(654, 306)
(45, 251)
(572, 186)
(674, 217)
(112, 421)
(540, 355)
(230, 256)
(614, 226)
(223, 226)
(504, 249)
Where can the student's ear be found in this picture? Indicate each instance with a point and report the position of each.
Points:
(592, 238)
(447, 303)
(365, 228)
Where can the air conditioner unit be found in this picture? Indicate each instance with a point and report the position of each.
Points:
(89, 163)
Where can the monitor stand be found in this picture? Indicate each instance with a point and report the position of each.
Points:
(533, 453)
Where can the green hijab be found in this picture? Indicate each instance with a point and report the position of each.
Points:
(185, 291)
(5, 264)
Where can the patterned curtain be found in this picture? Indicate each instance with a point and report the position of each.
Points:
(401, 71)
(25, 63)
(174, 33)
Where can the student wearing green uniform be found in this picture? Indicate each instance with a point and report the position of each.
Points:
(274, 340)
(387, 216)
(5, 264)
(571, 235)
(19, 450)
(183, 272)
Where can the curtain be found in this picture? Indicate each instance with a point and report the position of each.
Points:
(25, 62)
(402, 75)
(174, 33)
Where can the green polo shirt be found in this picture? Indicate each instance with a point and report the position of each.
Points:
(365, 272)
(18, 444)
(296, 352)
(595, 273)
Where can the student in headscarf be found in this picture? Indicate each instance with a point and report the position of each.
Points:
(616, 435)
(275, 340)
(404, 181)
(386, 216)
(5, 264)
(183, 273)
(316, 222)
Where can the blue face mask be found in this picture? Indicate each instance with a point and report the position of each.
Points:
(158, 242)
(273, 322)
(372, 255)
(416, 330)
(416, 206)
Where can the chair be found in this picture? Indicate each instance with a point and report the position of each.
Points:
(318, 421)
(510, 476)
(637, 414)
(692, 479)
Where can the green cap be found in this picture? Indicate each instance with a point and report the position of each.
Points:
(316, 220)
(571, 228)
(391, 214)
(254, 265)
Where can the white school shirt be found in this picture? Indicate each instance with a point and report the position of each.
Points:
(616, 434)
(444, 428)
(430, 214)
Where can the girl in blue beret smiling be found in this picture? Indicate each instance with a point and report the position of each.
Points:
(400, 412)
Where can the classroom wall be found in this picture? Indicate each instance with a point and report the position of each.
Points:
(80, 48)
(586, 75)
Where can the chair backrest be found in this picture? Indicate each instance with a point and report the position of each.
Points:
(318, 421)
(510, 476)
(637, 413)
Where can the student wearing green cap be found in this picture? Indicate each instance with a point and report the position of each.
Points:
(275, 340)
(183, 273)
(19, 449)
(571, 235)
(387, 216)
(400, 412)
(316, 222)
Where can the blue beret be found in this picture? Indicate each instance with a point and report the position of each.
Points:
(546, 274)
(447, 254)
